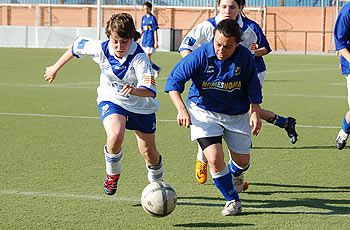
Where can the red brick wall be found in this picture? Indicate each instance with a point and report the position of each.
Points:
(285, 26)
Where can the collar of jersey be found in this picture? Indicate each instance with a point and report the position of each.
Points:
(218, 19)
(124, 62)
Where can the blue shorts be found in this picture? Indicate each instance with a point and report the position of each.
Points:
(145, 123)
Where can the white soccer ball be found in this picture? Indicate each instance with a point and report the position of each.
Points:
(158, 199)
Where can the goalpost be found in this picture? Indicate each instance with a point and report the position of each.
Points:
(257, 14)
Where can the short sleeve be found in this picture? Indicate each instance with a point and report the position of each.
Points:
(84, 46)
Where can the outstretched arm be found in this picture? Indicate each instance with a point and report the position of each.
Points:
(51, 71)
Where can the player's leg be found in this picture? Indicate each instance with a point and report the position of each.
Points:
(209, 137)
(149, 51)
(238, 164)
(201, 172)
(147, 147)
(145, 128)
(114, 124)
(239, 145)
(212, 148)
(287, 123)
(345, 130)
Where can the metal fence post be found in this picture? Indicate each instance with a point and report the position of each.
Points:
(98, 19)
(305, 49)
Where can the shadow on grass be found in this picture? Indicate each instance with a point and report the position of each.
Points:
(294, 206)
(211, 225)
(289, 206)
(302, 147)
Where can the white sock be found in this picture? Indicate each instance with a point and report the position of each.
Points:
(155, 172)
(113, 163)
(200, 155)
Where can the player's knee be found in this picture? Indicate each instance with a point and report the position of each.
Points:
(115, 139)
(241, 160)
(216, 164)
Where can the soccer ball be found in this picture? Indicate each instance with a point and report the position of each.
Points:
(158, 199)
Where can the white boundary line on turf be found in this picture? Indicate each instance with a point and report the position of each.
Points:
(299, 70)
(87, 117)
(91, 197)
(303, 95)
(65, 195)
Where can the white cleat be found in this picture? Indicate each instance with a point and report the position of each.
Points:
(232, 208)
(156, 72)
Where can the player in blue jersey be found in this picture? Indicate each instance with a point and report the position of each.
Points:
(149, 33)
(126, 94)
(254, 40)
(225, 87)
(342, 44)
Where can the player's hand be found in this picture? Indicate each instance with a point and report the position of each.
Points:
(50, 74)
(128, 89)
(255, 123)
(183, 118)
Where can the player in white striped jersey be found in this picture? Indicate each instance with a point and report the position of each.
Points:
(253, 39)
(126, 94)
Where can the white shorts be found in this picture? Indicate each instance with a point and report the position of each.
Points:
(149, 50)
(235, 129)
(348, 86)
(261, 77)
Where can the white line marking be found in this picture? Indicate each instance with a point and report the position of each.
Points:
(61, 116)
(299, 70)
(303, 95)
(87, 117)
(64, 195)
(48, 115)
(73, 86)
(133, 199)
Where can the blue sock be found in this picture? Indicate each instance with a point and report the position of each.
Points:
(281, 122)
(223, 181)
(346, 126)
(235, 169)
(155, 67)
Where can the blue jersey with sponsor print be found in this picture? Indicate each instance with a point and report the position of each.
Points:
(149, 24)
(226, 87)
(342, 36)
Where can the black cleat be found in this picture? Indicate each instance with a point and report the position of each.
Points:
(341, 139)
(292, 134)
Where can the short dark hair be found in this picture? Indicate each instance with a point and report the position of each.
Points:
(148, 4)
(230, 28)
(122, 24)
(239, 2)
(137, 35)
